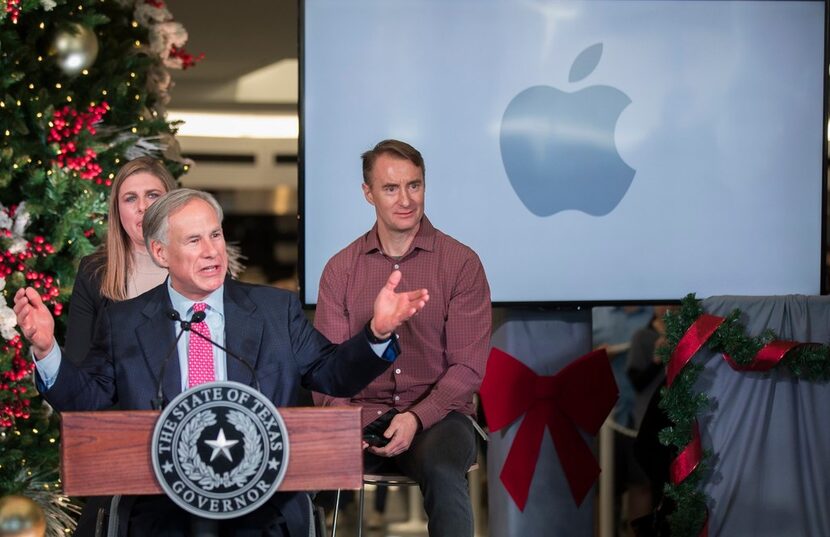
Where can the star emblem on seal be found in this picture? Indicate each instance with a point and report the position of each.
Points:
(221, 444)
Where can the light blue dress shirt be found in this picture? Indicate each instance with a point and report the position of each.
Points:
(215, 319)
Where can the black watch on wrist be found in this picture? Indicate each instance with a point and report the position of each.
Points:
(374, 340)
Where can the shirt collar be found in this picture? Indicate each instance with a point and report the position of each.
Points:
(424, 239)
(184, 305)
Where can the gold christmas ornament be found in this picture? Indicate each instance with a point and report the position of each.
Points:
(74, 47)
(21, 517)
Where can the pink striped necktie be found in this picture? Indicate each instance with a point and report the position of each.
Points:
(199, 353)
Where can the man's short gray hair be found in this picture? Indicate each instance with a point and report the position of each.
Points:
(158, 214)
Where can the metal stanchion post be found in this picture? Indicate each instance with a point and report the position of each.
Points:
(606, 480)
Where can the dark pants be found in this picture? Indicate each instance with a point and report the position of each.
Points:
(160, 517)
(438, 460)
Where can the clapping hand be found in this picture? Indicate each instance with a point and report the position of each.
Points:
(391, 309)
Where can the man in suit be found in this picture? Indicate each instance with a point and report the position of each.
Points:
(264, 325)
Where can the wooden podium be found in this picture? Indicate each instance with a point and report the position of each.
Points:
(107, 453)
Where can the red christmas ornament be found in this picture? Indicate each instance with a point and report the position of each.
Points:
(13, 9)
(188, 60)
(16, 406)
(67, 124)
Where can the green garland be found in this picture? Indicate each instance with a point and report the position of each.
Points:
(682, 404)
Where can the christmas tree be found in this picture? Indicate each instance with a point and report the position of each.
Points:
(83, 89)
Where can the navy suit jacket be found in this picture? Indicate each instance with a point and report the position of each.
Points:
(264, 325)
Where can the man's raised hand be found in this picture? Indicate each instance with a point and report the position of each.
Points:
(35, 321)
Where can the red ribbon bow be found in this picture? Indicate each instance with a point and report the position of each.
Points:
(580, 396)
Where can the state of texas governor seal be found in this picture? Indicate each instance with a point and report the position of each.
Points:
(220, 450)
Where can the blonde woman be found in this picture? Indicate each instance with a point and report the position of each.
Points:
(121, 268)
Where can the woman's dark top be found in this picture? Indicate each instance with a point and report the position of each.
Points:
(85, 304)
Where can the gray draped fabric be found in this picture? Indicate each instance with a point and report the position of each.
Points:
(545, 342)
(770, 475)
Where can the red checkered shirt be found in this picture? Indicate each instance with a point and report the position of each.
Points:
(443, 349)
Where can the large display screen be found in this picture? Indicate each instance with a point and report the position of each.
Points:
(588, 151)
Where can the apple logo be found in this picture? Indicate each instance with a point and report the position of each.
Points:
(558, 148)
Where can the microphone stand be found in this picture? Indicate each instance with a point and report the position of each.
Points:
(197, 317)
(234, 355)
(173, 315)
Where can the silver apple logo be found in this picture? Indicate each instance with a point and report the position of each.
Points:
(558, 148)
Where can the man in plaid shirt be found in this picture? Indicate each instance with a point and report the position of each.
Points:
(432, 383)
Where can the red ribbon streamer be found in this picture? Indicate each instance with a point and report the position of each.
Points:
(688, 459)
(767, 358)
(690, 343)
(580, 396)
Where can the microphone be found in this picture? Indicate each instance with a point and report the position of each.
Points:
(196, 318)
(173, 315)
